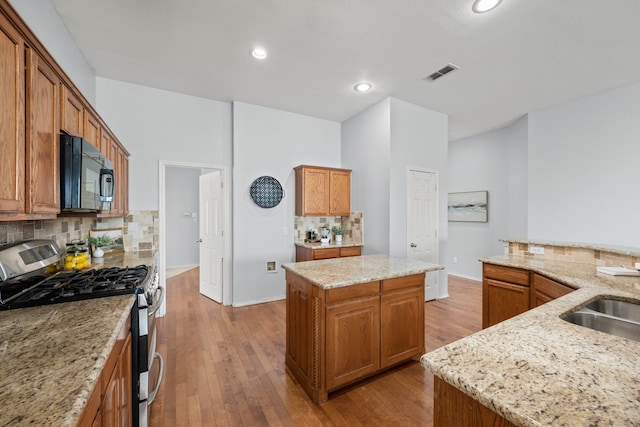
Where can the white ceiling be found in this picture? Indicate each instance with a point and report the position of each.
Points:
(523, 56)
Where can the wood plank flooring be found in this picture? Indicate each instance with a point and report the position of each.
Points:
(224, 366)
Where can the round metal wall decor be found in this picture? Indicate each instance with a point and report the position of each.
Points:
(266, 192)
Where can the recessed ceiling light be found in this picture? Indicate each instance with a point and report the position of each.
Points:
(481, 6)
(259, 53)
(362, 87)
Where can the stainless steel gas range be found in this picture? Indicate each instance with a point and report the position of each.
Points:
(24, 282)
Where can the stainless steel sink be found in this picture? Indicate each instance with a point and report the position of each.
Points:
(620, 318)
(622, 309)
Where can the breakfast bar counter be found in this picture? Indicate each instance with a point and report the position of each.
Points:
(537, 369)
(350, 318)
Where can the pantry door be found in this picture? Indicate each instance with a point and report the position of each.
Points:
(211, 234)
(422, 223)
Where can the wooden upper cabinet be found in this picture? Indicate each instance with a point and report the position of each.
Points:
(92, 129)
(42, 136)
(322, 191)
(340, 192)
(71, 113)
(12, 119)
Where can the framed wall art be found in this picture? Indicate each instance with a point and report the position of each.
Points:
(470, 206)
(109, 239)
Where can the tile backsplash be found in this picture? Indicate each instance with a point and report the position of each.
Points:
(140, 230)
(352, 224)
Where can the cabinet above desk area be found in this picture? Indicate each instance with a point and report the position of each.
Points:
(322, 208)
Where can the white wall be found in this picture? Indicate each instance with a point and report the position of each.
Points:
(182, 232)
(366, 151)
(584, 169)
(271, 142)
(45, 23)
(419, 139)
(492, 162)
(156, 125)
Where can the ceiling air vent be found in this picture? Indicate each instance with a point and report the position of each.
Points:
(441, 72)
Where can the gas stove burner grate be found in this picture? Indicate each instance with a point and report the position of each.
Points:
(72, 286)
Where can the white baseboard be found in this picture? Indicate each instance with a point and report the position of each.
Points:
(466, 277)
(258, 301)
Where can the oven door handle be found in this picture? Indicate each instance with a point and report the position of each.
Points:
(152, 395)
(154, 307)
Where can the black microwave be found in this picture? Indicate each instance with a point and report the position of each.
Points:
(86, 177)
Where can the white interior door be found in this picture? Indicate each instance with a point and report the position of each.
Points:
(211, 235)
(422, 223)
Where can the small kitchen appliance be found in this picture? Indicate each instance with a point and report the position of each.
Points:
(27, 280)
(87, 181)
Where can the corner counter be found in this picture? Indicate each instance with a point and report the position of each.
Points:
(536, 369)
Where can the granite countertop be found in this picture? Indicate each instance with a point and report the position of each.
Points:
(338, 272)
(536, 369)
(345, 244)
(51, 356)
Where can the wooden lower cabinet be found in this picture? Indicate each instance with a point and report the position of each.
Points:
(451, 407)
(544, 290)
(505, 293)
(307, 254)
(338, 336)
(110, 403)
(508, 291)
(354, 333)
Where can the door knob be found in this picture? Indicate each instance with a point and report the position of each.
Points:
(199, 241)
(413, 245)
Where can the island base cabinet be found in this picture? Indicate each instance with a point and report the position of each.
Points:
(400, 313)
(451, 407)
(354, 333)
(341, 335)
(505, 293)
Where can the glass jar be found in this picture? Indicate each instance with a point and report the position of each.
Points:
(77, 256)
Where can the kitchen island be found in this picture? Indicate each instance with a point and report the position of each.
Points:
(350, 318)
(537, 369)
(52, 356)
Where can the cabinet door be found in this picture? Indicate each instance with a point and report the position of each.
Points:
(92, 128)
(315, 192)
(352, 340)
(544, 290)
(340, 193)
(502, 301)
(125, 400)
(111, 400)
(402, 326)
(43, 137)
(12, 114)
(71, 112)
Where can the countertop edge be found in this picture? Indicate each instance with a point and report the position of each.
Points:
(81, 401)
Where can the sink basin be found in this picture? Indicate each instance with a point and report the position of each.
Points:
(614, 317)
(612, 307)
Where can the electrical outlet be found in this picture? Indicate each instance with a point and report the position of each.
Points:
(455, 259)
(285, 232)
(536, 250)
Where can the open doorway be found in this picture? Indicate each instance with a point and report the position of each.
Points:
(179, 220)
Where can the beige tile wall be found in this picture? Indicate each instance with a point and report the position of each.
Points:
(573, 254)
(140, 230)
(353, 226)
